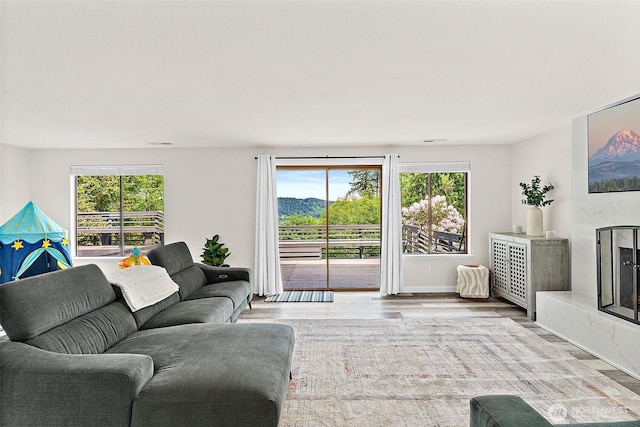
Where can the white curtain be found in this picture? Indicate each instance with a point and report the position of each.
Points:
(266, 278)
(391, 251)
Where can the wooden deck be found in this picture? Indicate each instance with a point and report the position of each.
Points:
(345, 274)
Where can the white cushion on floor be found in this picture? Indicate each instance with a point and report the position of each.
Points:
(473, 281)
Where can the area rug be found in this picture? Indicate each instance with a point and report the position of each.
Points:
(302, 296)
(422, 372)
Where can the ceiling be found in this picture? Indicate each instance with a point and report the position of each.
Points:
(116, 74)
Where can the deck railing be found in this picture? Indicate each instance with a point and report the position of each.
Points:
(360, 241)
(417, 241)
(345, 241)
(105, 228)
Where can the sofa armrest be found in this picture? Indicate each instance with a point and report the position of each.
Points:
(40, 387)
(504, 411)
(225, 274)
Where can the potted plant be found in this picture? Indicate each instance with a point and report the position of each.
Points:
(214, 253)
(535, 197)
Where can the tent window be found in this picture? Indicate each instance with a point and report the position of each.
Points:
(118, 208)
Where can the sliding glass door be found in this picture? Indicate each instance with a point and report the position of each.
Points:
(329, 227)
(302, 202)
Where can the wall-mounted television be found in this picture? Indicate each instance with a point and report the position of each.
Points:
(614, 148)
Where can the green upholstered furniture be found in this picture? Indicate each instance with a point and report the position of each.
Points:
(77, 356)
(198, 281)
(512, 411)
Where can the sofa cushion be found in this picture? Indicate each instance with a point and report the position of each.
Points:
(37, 304)
(174, 257)
(210, 310)
(190, 280)
(236, 291)
(234, 374)
(142, 316)
(91, 333)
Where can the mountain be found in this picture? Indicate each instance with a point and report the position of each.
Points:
(624, 147)
(616, 166)
(607, 171)
(305, 207)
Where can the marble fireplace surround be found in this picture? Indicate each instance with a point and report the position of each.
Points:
(577, 319)
(574, 315)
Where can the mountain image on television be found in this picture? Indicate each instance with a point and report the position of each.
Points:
(614, 155)
(616, 166)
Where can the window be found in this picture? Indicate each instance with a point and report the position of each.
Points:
(434, 207)
(118, 208)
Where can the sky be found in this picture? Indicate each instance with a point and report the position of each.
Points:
(301, 184)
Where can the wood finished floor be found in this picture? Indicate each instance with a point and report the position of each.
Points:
(351, 274)
(369, 305)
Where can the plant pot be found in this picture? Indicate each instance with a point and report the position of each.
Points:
(534, 221)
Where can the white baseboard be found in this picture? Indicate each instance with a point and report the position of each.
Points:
(428, 289)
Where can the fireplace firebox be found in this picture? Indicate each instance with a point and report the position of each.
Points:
(618, 265)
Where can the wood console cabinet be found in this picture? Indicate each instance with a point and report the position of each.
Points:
(521, 265)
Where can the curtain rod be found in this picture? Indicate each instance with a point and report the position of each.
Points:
(329, 157)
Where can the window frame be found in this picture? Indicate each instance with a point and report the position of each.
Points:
(432, 167)
(120, 171)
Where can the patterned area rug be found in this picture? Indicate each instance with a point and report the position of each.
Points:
(422, 372)
(302, 296)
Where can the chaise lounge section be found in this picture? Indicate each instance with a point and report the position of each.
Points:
(78, 356)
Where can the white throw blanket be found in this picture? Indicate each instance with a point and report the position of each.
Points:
(144, 285)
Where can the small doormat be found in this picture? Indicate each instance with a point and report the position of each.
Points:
(302, 296)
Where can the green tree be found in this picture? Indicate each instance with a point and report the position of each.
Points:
(102, 193)
(364, 182)
(413, 187)
(297, 219)
(98, 193)
(143, 193)
(354, 210)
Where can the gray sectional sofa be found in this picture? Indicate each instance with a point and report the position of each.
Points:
(512, 411)
(77, 356)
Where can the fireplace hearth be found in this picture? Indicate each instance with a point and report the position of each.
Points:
(618, 264)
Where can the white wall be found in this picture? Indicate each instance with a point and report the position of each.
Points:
(211, 191)
(489, 206)
(548, 155)
(207, 192)
(15, 178)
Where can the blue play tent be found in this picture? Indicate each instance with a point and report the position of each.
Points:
(31, 243)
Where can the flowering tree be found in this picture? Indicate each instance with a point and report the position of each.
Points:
(445, 217)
